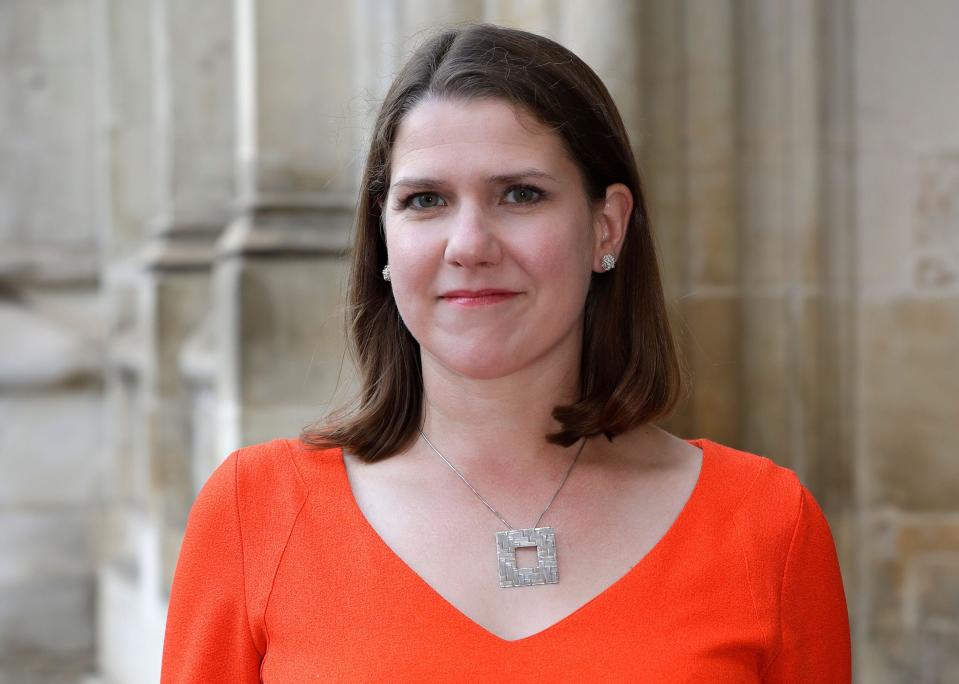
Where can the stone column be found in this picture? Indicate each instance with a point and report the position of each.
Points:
(731, 112)
(127, 203)
(604, 35)
(184, 62)
(687, 155)
(278, 284)
(782, 236)
(835, 473)
(794, 240)
(195, 136)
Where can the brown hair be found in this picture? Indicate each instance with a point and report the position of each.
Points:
(630, 372)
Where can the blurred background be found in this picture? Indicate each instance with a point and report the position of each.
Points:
(177, 182)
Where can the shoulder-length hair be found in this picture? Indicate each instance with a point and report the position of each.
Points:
(630, 371)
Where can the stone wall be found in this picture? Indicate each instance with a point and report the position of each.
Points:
(175, 209)
(906, 176)
(51, 339)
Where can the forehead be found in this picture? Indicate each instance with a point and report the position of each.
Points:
(462, 134)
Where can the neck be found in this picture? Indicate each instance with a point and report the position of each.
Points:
(498, 425)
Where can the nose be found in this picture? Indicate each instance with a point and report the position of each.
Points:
(471, 241)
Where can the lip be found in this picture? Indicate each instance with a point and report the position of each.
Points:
(478, 297)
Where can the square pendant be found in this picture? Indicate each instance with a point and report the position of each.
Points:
(546, 572)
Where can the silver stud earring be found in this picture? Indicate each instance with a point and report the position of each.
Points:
(386, 273)
(609, 262)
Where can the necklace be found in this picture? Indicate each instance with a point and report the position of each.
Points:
(543, 538)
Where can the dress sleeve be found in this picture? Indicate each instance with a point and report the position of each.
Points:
(208, 636)
(814, 623)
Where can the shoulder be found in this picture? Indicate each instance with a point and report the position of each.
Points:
(264, 486)
(259, 492)
(750, 476)
(770, 509)
(281, 467)
(788, 558)
(764, 500)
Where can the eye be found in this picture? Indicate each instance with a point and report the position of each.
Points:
(423, 200)
(523, 194)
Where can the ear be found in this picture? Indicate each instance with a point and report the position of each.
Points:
(610, 222)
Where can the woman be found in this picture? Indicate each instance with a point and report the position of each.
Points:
(498, 501)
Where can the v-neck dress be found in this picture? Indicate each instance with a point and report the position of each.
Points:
(282, 579)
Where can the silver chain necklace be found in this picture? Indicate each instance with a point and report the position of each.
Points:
(543, 538)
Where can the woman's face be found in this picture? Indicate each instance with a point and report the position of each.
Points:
(491, 238)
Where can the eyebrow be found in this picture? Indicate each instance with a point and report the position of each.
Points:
(505, 178)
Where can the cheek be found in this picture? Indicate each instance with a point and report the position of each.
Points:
(559, 257)
(409, 252)
(413, 265)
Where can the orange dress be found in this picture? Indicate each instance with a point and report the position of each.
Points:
(281, 579)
